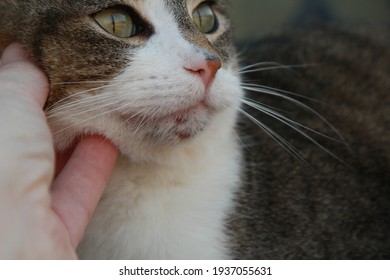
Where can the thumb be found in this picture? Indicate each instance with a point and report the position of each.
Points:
(18, 75)
(25, 136)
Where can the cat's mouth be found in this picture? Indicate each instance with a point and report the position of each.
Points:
(179, 115)
(181, 124)
(182, 115)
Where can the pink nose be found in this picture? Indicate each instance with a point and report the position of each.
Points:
(206, 68)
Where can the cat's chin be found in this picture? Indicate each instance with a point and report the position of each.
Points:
(152, 135)
(181, 133)
(166, 131)
(144, 138)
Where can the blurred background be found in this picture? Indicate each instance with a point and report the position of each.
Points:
(258, 17)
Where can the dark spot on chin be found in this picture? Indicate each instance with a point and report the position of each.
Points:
(180, 119)
(184, 136)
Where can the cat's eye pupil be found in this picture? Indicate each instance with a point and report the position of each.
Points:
(116, 22)
(205, 18)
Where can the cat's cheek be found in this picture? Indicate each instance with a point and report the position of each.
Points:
(225, 91)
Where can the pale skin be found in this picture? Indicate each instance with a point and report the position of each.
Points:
(43, 212)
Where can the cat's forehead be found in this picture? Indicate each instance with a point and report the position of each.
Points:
(177, 6)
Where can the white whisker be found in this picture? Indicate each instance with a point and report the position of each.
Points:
(265, 64)
(91, 118)
(306, 107)
(81, 112)
(237, 136)
(280, 140)
(86, 101)
(295, 126)
(80, 82)
(279, 91)
(113, 80)
(276, 66)
(77, 94)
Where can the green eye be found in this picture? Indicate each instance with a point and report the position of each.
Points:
(205, 18)
(116, 22)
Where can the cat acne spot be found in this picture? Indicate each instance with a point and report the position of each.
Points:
(184, 136)
(181, 119)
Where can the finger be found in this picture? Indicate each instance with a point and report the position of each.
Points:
(62, 158)
(18, 75)
(14, 52)
(78, 188)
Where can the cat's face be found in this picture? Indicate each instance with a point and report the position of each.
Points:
(143, 73)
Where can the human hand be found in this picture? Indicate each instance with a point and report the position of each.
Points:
(42, 217)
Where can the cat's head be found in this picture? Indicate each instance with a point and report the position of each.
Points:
(145, 74)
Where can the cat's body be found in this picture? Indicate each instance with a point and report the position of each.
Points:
(338, 209)
(186, 186)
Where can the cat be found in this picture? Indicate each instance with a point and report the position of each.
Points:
(198, 177)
